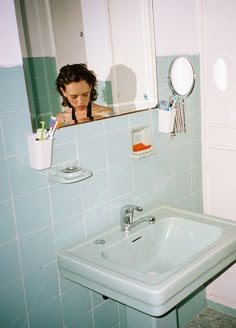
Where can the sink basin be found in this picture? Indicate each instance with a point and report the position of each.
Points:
(164, 246)
(154, 266)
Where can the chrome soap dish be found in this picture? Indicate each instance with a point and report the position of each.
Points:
(68, 173)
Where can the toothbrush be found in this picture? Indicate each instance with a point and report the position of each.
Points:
(57, 125)
(52, 123)
(175, 100)
(41, 138)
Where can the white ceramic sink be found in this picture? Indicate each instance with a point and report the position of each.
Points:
(164, 246)
(155, 266)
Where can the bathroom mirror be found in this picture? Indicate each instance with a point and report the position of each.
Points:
(181, 77)
(114, 38)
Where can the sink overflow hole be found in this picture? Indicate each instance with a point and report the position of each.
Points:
(100, 242)
(133, 241)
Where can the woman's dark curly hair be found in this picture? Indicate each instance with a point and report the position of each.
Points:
(76, 73)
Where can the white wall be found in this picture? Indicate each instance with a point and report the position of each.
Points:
(176, 27)
(219, 117)
(10, 54)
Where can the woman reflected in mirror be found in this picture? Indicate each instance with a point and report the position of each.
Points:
(77, 87)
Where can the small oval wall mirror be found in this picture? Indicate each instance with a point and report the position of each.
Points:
(181, 77)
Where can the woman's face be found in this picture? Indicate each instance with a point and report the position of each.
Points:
(78, 94)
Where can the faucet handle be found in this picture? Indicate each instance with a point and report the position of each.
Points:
(131, 208)
(129, 212)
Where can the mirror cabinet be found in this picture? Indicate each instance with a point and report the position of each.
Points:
(114, 38)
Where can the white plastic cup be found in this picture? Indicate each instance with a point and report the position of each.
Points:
(40, 152)
(166, 120)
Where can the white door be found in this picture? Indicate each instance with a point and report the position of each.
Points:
(218, 53)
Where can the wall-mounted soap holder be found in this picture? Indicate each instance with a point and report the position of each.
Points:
(142, 142)
(68, 173)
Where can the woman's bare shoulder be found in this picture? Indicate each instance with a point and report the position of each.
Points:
(96, 109)
(65, 117)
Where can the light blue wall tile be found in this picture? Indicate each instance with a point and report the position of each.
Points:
(164, 93)
(92, 152)
(37, 215)
(185, 203)
(197, 198)
(69, 231)
(165, 165)
(20, 322)
(41, 286)
(147, 182)
(12, 303)
(65, 152)
(95, 190)
(7, 224)
(181, 137)
(65, 135)
(37, 250)
(115, 124)
(10, 263)
(16, 128)
(120, 177)
(196, 152)
(182, 184)
(84, 320)
(162, 71)
(23, 178)
(5, 192)
(48, 315)
(119, 146)
(90, 130)
(195, 98)
(123, 315)
(166, 194)
(97, 299)
(13, 91)
(110, 318)
(195, 124)
(153, 180)
(97, 219)
(66, 200)
(196, 178)
(66, 284)
(80, 297)
(161, 140)
(2, 150)
(140, 118)
(180, 158)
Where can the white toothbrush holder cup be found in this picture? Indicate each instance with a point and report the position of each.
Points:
(40, 152)
(166, 120)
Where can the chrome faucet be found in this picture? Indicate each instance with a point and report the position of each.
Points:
(127, 217)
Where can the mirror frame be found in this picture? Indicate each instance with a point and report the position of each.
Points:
(149, 93)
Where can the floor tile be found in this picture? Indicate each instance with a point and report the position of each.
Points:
(210, 318)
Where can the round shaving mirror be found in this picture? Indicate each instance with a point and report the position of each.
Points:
(181, 77)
